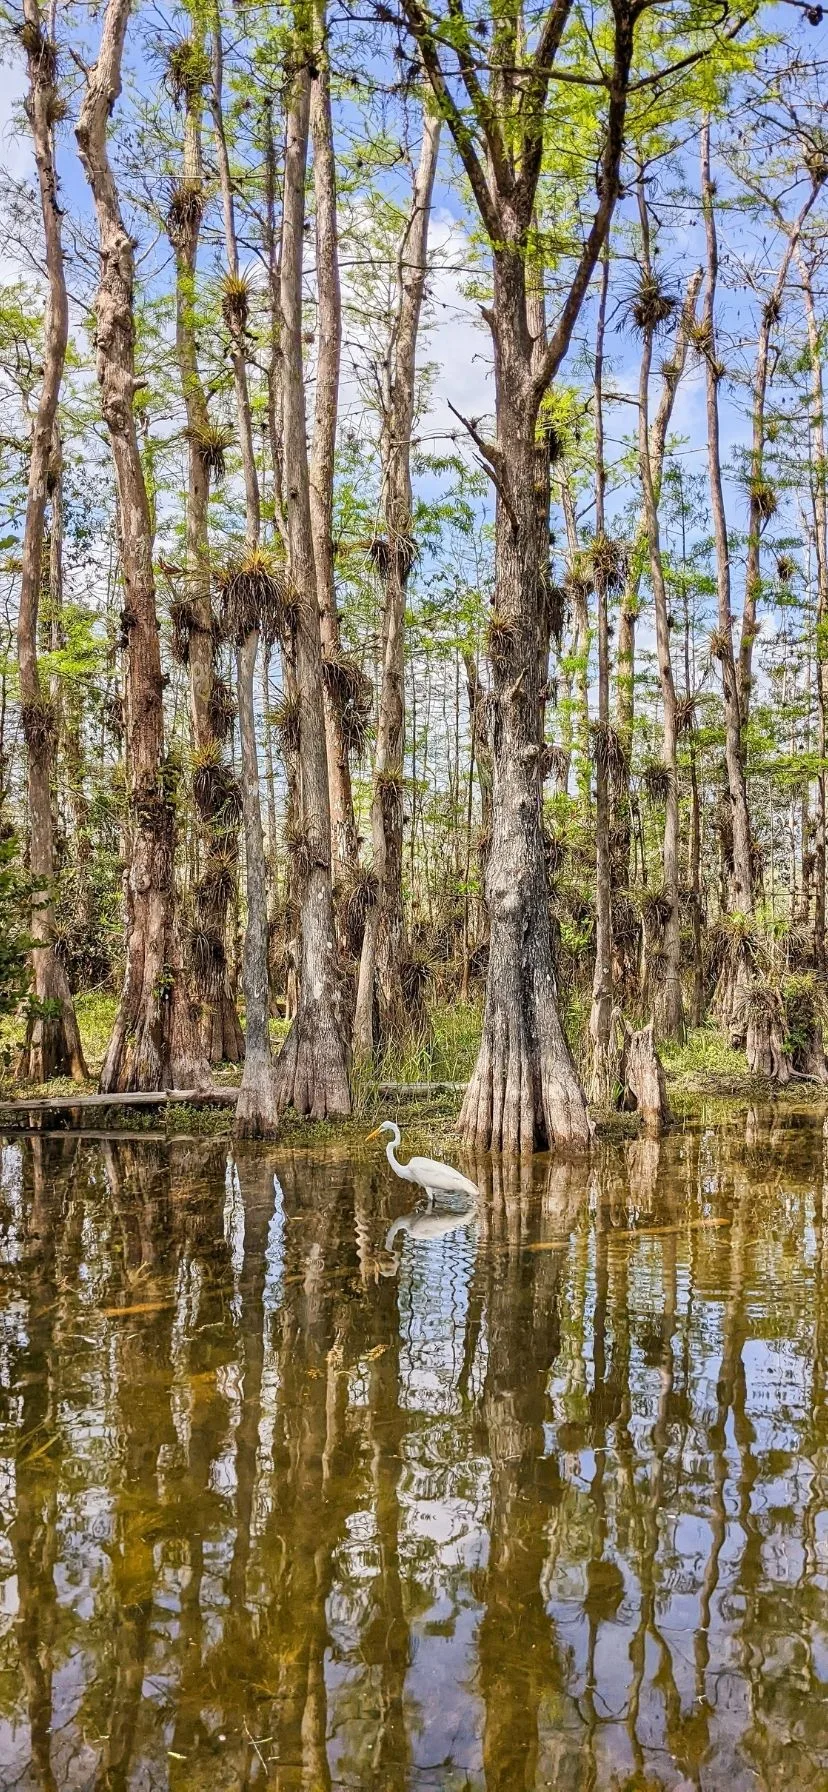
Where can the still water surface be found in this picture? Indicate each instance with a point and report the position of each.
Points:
(540, 1502)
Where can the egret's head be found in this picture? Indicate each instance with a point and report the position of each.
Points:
(384, 1126)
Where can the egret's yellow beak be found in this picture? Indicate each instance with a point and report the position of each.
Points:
(373, 1135)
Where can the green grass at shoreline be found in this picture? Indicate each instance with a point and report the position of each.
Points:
(704, 1066)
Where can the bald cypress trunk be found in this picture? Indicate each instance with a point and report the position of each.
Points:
(524, 1089)
(256, 1109)
(210, 713)
(382, 946)
(663, 989)
(312, 1068)
(672, 371)
(344, 844)
(53, 1045)
(155, 1041)
(741, 880)
(819, 500)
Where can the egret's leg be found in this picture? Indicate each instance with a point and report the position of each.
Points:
(430, 1198)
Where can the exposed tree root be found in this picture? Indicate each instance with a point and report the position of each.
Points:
(310, 1073)
(642, 1077)
(525, 1091)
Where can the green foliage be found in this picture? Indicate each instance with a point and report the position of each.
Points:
(15, 928)
(704, 1053)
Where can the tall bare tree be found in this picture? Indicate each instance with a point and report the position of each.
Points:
(380, 963)
(665, 988)
(212, 711)
(251, 589)
(154, 1043)
(53, 1045)
(312, 1068)
(338, 675)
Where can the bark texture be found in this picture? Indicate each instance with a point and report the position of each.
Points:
(155, 1042)
(600, 1019)
(192, 615)
(256, 1110)
(662, 984)
(344, 843)
(312, 1068)
(380, 985)
(628, 610)
(741, 881)
(819, 499)
(53, 1044)
(642, 1078)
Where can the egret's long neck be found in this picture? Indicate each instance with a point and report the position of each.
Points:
(398, 1168)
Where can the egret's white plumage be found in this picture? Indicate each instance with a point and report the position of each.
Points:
(434, 1177)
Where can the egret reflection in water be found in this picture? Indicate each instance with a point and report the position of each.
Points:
(546, 1508)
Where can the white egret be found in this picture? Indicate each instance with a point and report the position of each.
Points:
(430, 1224)
(434, 1177)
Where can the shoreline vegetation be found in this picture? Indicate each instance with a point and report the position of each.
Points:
(701, 1071)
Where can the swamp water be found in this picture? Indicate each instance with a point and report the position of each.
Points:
(541, 1502)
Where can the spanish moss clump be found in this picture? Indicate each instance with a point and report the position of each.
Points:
(500, 639)
(38, 720)
(286, 718)
(299, 851)
(351, 692)
(356, 895)
(42, 51)
(685, 715)
(389, 788)
(207, 959)
(185, 211)
(56, 108)
(384, 552)
(761, 1001)
(656, 782)
(764, 498)
(215, 791)
(235, 302)
(697, 330)
(552, 604)
(734, 945)
(254, 594)
(579, 581)
(609, 563)
(221, 709)
(183, 621)
(626, 923)
(651, 306)
(216, 889)
(610, 755)
(416, 970)
(188, 70)
(211, 442)
(555, 762)
(656, 909)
